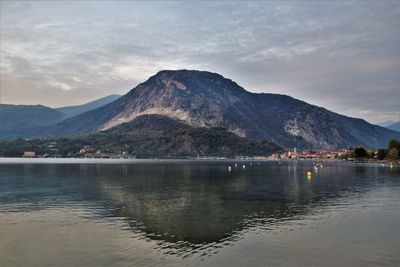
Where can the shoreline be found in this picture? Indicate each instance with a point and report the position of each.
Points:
(5, 160)
(26, 160)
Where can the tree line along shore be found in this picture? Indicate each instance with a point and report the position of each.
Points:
(100, 146)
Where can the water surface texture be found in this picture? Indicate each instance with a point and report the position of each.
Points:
(197, 213)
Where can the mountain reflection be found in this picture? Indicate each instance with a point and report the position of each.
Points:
(191, 204)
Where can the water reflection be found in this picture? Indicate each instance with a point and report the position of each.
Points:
(190, 207)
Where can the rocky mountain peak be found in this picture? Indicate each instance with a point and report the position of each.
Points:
(193, 81)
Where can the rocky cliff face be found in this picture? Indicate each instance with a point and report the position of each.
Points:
(207, 99)
(199, 98)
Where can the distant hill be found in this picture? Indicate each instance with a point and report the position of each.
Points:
(205, 99)
(385, 123)
(18, 120)
(75, 110)
(148, 136)
(395, 126)
(27, 120)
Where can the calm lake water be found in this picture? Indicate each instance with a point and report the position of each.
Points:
(197, 213)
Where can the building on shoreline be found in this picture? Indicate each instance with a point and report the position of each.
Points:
(29, 154)
(309, 154)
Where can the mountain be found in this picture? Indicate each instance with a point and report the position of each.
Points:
(17, 120)
(392, 125)
(26, 120)
(205, 99)
(385, 123)
(395, 126)
(75, 110)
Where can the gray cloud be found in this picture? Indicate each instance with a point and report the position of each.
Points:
(344, 56)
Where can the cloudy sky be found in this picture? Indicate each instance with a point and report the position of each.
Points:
(344, 56)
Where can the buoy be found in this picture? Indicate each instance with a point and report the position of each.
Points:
(244, 166)
(229, 168)
(235, 165)
(309, 174)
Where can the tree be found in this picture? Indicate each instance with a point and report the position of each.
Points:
(394, 144)
(381, 154)
(393, 153)
(371, 153)
(360, 152)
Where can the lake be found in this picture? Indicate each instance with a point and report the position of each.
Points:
(198, 213)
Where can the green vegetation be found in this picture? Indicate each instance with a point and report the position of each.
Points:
(145, 142)
(391, 153)
(360, 152)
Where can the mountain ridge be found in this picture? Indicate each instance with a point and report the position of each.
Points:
(206, 99)
(71, 111)
(394, 126)
(17, 120)
(28, 120)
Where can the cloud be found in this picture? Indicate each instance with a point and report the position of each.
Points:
(60, 85)
(340, 55)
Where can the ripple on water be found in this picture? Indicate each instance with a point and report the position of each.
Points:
(196, 214)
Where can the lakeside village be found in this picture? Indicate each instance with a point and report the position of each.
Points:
(89, 152)
(358, 154)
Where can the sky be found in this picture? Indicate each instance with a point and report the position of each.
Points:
(341, 55)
